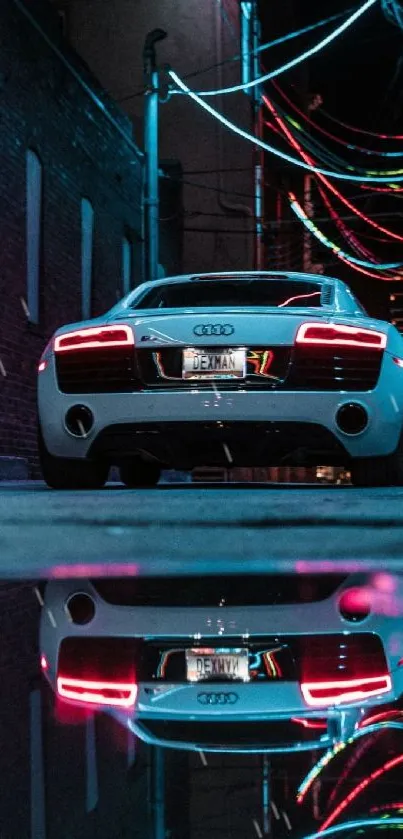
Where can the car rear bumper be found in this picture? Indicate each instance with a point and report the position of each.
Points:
(268, 427)
(267, 734)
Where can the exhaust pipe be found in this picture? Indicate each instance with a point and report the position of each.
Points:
(79, 421)
(352, 418)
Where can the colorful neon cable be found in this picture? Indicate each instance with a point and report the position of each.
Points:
(346, 257)
(385, 178)
(313, 774)
(361, 130)
(293, 142)
(386, 767)
(299, 58)
(358, 824)
(334, 137)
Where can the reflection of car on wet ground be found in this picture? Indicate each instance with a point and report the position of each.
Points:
(253, 663)
(227, 370)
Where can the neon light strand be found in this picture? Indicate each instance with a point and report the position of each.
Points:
(299, 58)
(344, 230)
(355, 758)
(298, 32)
(381, 717)
(324, 180)
(358, 824)
(391, 189)
(382, 808)
(331, 136)
(309, 779)
(300, 213)
(386, 767)
(370, 178)
(361, 130)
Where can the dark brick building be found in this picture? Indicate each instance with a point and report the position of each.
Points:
(70, 211)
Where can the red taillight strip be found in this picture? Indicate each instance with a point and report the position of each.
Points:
(344, 690)
(122, 695)
(94, 337)
(337, 334)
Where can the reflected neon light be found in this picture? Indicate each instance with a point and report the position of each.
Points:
(299, 297)
(94, 337)
(344, 690)
(324, 761)
(340, 335)
(309, 723)
(386, 767)
(120, 694)
(381, 717)
(358, 824)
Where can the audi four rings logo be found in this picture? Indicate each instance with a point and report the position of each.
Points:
(217, 698)
(203, 329)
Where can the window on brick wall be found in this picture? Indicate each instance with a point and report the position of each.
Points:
(34, 230)
(87, 247)
(127, 259)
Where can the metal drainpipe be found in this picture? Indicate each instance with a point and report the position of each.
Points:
(226, 203)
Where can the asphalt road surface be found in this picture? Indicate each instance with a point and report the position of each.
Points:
(185, 528)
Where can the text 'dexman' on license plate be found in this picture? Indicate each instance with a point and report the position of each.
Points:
(212, 664)
(203, 364)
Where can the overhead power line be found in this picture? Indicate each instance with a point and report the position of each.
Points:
(299, 58)
(330, 135)
(384, 177)
(356, 130)
(237, 57)
(324, 180)
(311, 226)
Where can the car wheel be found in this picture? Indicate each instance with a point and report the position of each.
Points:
(66, 473)
(138, 473)
(378, 471)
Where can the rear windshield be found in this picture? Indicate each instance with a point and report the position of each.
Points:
(244, 292)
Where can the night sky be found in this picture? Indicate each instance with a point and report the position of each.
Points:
(360, 79)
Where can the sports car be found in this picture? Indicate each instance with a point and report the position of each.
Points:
(265, 664)
(232, 369)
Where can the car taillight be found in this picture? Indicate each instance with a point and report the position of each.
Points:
(320, 694)
(340, 335)
(118, 694)
(93, 338)
(44, 359)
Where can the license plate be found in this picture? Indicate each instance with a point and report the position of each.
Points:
(217, 665)
(220, 364)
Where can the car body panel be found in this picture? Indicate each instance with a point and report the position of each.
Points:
(176, 401)
(189, 626)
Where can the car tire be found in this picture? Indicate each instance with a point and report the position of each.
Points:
(135, 474)
(66, 473)
(378, 471)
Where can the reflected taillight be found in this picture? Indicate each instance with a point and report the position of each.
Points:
(94, 338)
(320, 694)
(327, 334)
(117, 694)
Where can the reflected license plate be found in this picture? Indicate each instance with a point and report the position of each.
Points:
(217, 664)
(221, 364)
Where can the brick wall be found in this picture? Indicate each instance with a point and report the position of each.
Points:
(43, 107)
(218, 205)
